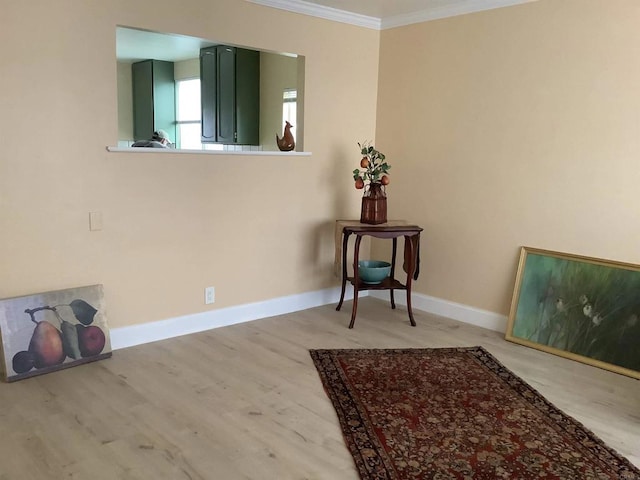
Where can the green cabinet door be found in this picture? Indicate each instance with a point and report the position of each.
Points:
(230, 95)
(154, 99)
(208, 94)
(247, 96)
(226, 108)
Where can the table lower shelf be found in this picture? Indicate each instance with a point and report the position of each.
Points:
(386, 284)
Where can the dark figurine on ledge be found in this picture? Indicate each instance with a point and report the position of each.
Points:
(286, 143)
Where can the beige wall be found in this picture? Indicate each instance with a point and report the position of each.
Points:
(516, 126)
(186, 69)
(125, 102)
(254, 227)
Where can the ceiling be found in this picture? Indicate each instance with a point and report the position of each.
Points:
(134, 44)
(384, 8)
(381, 14)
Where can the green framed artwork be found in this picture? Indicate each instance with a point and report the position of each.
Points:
(582, 308)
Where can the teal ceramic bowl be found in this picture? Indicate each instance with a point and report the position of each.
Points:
(373, 271)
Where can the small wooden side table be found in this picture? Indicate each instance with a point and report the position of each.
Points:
(411, 234)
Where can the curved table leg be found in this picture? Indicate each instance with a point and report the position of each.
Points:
(345, 241)
(393, 270)
(411, 269)
(356, 280)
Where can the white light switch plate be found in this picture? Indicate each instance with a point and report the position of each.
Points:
(95, 221)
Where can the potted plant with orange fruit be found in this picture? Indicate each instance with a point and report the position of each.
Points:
(373, 178)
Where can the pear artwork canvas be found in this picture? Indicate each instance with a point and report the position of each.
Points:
(50, 331)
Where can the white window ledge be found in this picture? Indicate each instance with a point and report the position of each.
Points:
(204, 152)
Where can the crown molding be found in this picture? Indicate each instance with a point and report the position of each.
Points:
(460, 7)
(328, 13)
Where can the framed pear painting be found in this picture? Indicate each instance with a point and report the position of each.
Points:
(50, 331)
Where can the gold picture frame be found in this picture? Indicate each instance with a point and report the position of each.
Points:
(582, 308)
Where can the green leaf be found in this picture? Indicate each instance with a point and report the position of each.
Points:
(377, 164)
(83, 311)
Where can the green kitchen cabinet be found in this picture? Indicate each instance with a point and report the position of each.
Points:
(154, 99)
(230, 95)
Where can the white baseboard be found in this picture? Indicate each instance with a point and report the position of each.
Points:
(445, 308)
(123, 337)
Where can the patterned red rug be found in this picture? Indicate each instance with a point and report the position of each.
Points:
(455, 413)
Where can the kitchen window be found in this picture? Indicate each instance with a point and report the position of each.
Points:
(189, 116)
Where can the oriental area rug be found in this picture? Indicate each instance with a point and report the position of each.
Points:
(455, 413)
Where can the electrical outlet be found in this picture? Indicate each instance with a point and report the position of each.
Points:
(209, 295)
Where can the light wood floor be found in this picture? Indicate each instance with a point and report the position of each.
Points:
(245, 402)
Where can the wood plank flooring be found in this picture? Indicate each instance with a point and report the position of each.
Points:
(245, 402)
